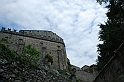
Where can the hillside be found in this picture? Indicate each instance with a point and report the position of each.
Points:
(12, 70)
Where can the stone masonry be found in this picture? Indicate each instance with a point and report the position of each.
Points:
(85, 76)
(46, 42)
(13, 72)
(113, 71)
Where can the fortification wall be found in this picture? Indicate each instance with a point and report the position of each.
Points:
(84, 75)
(39, 34)
(54, 47)
(114, 70)
(46, 35)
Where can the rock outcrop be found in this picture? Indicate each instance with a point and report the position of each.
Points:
(13, 72)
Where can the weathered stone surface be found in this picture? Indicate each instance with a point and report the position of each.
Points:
(19, 74)
(114, 69)
(45, 42)
(84, 75)
(1, 70)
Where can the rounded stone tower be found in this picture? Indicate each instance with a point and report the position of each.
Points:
(46, 42)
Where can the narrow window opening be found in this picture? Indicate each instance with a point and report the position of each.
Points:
(20, 40)
(6, 37)
(41, 44)
(58, 47)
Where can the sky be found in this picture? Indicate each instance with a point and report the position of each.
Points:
(76, 21)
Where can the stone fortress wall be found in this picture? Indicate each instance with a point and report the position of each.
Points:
(86, 73)
(46, 42)
(113, 71)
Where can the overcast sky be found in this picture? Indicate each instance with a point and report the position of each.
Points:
(76, 21)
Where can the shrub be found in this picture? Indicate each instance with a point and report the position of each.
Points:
(30, 57)
(50, 58)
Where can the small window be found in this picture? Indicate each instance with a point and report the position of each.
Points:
(48, 37)
(6, 37)
(20, 40)
(41, 44)
(58, 47)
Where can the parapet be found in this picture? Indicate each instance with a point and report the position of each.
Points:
(39, 34)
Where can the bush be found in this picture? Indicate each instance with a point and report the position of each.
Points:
(6, 53)
(50, 58)
(62, 71)
(29, 57)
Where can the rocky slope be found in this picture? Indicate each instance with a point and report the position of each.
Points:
(13, 72)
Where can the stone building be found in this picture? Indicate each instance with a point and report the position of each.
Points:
(46, 42)
(90, 69)
(86, 73)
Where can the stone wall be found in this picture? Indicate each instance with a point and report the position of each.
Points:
(85, 76)
(46, 35)
(13, 72)
(46, 42)
(113, 71)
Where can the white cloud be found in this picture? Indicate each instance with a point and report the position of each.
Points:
(75, 21)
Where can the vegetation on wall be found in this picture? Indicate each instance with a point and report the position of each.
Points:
(111, 33)
(63, 72)
(6, 53)
(29, 57)
(50, 58)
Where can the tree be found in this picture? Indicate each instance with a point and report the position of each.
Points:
(105, 1)
(30, 57)
(111, 33)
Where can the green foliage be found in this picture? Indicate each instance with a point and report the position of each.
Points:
(62, 71)
(29, 57)
(111, 33)
(3, 39)
(6, 53)
(77, 80)
(50, 58)
(21, 74)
